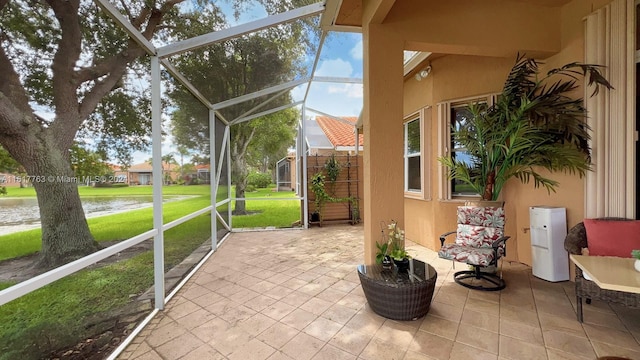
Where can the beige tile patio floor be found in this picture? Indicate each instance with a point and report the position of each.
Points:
(296, 295)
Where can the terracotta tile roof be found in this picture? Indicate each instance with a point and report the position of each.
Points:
(146, 167)
(339, 133)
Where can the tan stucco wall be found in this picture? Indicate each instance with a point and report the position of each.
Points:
(457, 76)
(482, 51)
(451, 77)
(383, 165)
(488, 27)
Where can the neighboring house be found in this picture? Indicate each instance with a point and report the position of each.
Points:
(119, 173)
(341, 133)
(285, 173)
(337, 136)
(203, 174)
(141, 174)
(465, 50)
(325, 136)
(317, 140)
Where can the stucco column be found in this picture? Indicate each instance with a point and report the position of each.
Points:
(383, 133)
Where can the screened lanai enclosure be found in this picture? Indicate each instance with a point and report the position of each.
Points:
(273, 49)
(275, 83)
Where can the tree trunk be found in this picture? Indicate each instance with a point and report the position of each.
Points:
(41, 146)
(488, 189)
(65, 232)
(239, 168)
(241, 206)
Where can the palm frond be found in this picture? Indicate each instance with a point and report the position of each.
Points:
(534, 123)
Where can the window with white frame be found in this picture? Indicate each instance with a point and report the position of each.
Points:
(413, 154)
(416, 157)
(452, 115)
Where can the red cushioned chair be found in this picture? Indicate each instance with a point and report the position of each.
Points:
(479, 242)
(575, 241)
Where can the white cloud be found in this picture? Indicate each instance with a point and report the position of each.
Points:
(335, 67)
(336, 99)
(351, 90)
(356, 51)
(297, 93)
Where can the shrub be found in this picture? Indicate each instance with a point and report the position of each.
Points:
(250, 188)
(259, 180)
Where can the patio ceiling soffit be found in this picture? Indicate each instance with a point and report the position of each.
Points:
(376, 13)
(415, 60)
(239, 30)
(330, 18)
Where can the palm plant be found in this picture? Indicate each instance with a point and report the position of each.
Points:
(534, 124)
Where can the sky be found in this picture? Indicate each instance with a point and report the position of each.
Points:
(341, 56)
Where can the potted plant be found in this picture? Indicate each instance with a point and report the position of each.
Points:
(355, 210)
(534, 124)
(636, 255)
(392, 246)
(332, 167)
(382, 257)
(321, 196)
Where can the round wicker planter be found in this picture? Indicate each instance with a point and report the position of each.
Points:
(399, 295)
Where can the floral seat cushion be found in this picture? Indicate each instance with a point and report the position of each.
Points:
(478, 228)
(477, 236)
(482, 256)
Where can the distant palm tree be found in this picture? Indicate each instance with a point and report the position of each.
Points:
(532, 124)
(183, 151)
(167, 160)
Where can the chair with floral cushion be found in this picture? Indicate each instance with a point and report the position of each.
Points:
(479, 242)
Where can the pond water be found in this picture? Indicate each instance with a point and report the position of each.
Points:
(18, 214)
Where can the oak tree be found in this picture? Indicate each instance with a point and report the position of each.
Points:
(235, 68)
(69, 58)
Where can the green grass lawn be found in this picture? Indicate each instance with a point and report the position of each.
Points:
(282, 213)
(125, 225)
(105, 228)
(119, 190)
(59, 314)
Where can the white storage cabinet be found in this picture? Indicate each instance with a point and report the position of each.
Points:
(548, 230)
